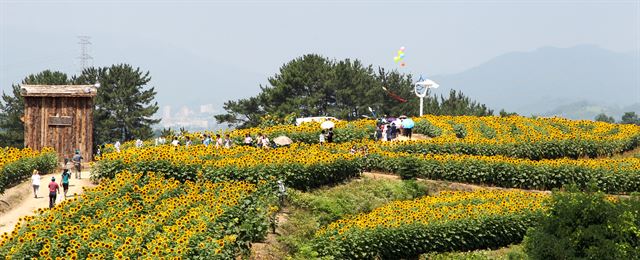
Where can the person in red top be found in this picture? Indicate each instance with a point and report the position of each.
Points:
(53, 192)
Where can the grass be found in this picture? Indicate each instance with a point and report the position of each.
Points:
(310, 211)
(513, 252)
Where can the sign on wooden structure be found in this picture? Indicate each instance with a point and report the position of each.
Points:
(60, 121)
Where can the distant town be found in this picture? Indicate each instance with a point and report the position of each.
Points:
(194, 118)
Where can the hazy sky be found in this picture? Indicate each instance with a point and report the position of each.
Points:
(226, 48)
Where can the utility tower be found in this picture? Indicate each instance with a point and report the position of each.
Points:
(84, 52)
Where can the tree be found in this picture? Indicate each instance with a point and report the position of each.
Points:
(630, 118)
(313, 85)
(457, 104)
(12, 106)
(504, 113)
(586, 225)
(123, 107)
(604, 118)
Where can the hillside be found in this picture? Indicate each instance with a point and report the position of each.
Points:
(544, 80)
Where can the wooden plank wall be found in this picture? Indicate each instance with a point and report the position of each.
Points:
(64, 139)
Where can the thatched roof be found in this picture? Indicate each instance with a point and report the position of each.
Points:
(58, 90)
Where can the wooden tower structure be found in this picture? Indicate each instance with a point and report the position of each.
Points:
(59, 116)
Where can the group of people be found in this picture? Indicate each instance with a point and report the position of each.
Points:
(261, 141)
(387, 131)
(217, 141)
(326, 136)
(54, 188)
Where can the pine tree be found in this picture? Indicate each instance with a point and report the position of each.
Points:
(123, 107)
(12, 106)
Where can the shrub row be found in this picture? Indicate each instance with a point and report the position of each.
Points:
(408, 241)
(570, 148)
(296, 175)
(608, 175)
(456, 221)
(17, 171)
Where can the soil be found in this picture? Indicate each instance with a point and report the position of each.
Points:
(270, 248)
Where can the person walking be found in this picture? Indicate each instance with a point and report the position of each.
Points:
(77, 163)
(53, 192)
(266, 143)
(66, 175)
(247, 140)
(219, 141)
(321, 137)
(379, 133)
(227, 141)
(408, 132)
(389, 133)
(35, 182)
(207, 141)
(393, 130)
(330, 135)
(175, 142)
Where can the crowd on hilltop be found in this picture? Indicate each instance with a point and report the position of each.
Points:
(389, 128)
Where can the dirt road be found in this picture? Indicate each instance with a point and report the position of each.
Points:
(19, 201)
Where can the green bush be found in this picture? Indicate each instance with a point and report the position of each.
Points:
(426, 128)
(409, 168)
(460, 130)
(329, 205)
(16, 172)
(409, 241)
(587, 226)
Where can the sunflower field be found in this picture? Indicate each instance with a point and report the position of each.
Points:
(609, 175)
(199, 202)
(450, 221)
(514, 136)
(300, 165)
(542, 138)
(18, 164)
(145, 216)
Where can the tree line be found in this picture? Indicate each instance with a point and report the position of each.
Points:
(123, 107)
(627, 118)
(313, 85)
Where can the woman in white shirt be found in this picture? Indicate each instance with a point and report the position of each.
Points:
(35, 181)
(227, 141)
(265, 142)
(247, 140)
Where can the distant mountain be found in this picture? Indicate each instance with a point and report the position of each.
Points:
(552, 80)
(589, 110)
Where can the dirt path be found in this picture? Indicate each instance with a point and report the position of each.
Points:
(445, 184)
(18, 201)
(270, 248)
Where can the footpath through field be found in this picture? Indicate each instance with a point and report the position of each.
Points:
(18, 201)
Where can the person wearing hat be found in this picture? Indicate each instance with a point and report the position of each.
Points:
(53, 192)
(77, 163)
(66, 175)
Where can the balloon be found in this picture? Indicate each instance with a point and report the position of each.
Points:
(402, 56)
(400, 52)
(396, 58)
(402, 64)
(402, 48)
